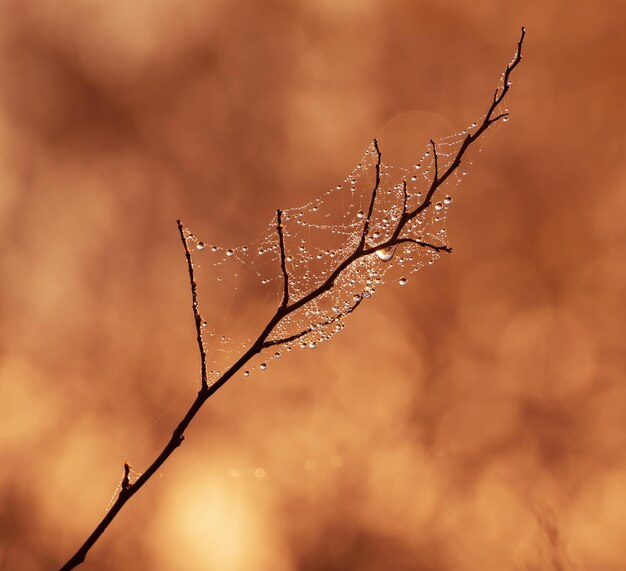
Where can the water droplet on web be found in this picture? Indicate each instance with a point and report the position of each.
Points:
(447, 200)
(439, 207)
(360, 214)
(230, 252)
(246, 373)
(263, 366)
(413, 178)
(385, 254)
(200, 246)
(312, 345)
(357, 297)
(403, 281)
(277, 355)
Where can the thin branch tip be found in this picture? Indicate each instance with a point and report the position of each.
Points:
(126, 478)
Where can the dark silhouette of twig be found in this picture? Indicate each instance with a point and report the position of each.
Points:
(283, 257)
(285, 308)
(368, 218)
(194, 303)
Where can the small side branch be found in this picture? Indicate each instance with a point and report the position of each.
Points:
(436, 159)
(194, 304)
(283, 258)
(126, 478)
(296, 336)
(397, 241)
(370, 210)
(405, 200)
(422, 244)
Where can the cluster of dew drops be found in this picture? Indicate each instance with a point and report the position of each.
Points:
(310, 218)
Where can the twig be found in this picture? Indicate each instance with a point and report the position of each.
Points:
(370, 210)
(405, 199)
(285, 308)
(283, 267)
(194, 303)
(126, 478)
(314, 327)
(436, 159)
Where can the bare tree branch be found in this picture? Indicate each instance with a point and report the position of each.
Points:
(285, 308)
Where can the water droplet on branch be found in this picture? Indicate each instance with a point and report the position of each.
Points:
(385, 254)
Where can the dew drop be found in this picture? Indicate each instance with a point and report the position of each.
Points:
(214, 248)
(246, 373)
(413, 178)
(277, 355)
(439, 207)
(263, 366)
(385, 254)
(312, 345)
(403, 281)
(447, 200)
(360, 214)
(357, 297)
(200, 246)
(230, 252)
(289, 258)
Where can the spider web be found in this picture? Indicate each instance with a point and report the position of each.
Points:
(240, 287)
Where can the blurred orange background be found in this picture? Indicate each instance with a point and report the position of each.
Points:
(474, 420)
